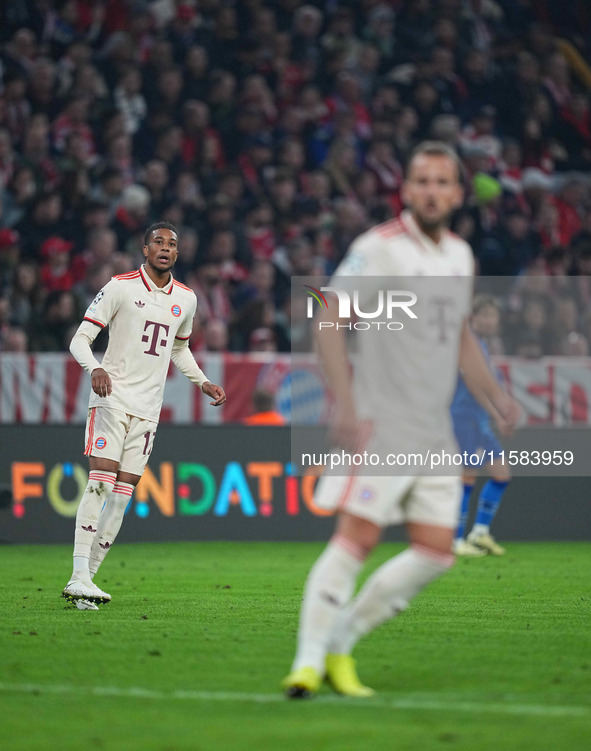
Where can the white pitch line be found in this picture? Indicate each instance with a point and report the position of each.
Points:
(410, 702)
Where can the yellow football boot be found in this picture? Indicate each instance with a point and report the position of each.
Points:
(302, 684)
(341, 674)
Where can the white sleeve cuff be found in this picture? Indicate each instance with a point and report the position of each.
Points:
(185, 362)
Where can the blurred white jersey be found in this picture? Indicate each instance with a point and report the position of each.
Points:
(406, 368)
(143, 322)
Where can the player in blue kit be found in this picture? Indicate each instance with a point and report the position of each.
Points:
(475, 435)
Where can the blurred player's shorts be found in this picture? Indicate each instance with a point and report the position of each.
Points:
(387, 501)
(474, 437)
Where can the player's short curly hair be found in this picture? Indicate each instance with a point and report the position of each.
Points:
(159, 225)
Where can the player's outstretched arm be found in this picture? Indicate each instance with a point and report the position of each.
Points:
(331, 347)
(482, 383)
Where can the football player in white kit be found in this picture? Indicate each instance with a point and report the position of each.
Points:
(150, 316)
(404, 392)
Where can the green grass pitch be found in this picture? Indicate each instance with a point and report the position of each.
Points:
(190, 653)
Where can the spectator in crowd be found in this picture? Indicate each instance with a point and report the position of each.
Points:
(102, 245)
(42, 78)
(129, 100)
(8, 157)
(262, 340)
(534, 337)
(131, 215)
(109, 188)
(55, 270)
(52, 329)
(18, 195)
(264, 409)
(14, 339)
(36, 153)
(26, 293)
(341, 166)
(207, 283)
(216, 336)
(44, 219)
(569, 339)
(511, 248)
(195, 73)
(9, 258)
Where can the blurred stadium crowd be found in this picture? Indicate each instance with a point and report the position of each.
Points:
(273, 132)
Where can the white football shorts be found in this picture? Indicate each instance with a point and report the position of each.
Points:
(393, 500)
(113, 434)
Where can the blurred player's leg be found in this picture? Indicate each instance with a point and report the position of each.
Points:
(109, 524)
(488, 504)
(390, 589)
(465, 507)
(387, 593)
(329, 587)
(461, 546)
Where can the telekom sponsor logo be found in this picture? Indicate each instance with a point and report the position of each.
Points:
(155, 335)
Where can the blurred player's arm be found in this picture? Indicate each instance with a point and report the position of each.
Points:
(331, 347)
(363, 259)
(183, 358)
(481, 381)
(81, 349)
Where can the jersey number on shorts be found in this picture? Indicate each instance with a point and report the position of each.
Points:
(148, 445)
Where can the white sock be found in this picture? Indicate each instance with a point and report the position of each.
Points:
(80, 567)
(329, 588)
(386, 593)
(99, 487)
(480, 529)
(109, 524)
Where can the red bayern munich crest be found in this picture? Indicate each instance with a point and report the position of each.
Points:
(176, 310)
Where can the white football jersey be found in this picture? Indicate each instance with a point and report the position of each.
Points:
(143, 322)
(405, 376)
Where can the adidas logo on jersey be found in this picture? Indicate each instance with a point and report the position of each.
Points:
(139, 303)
